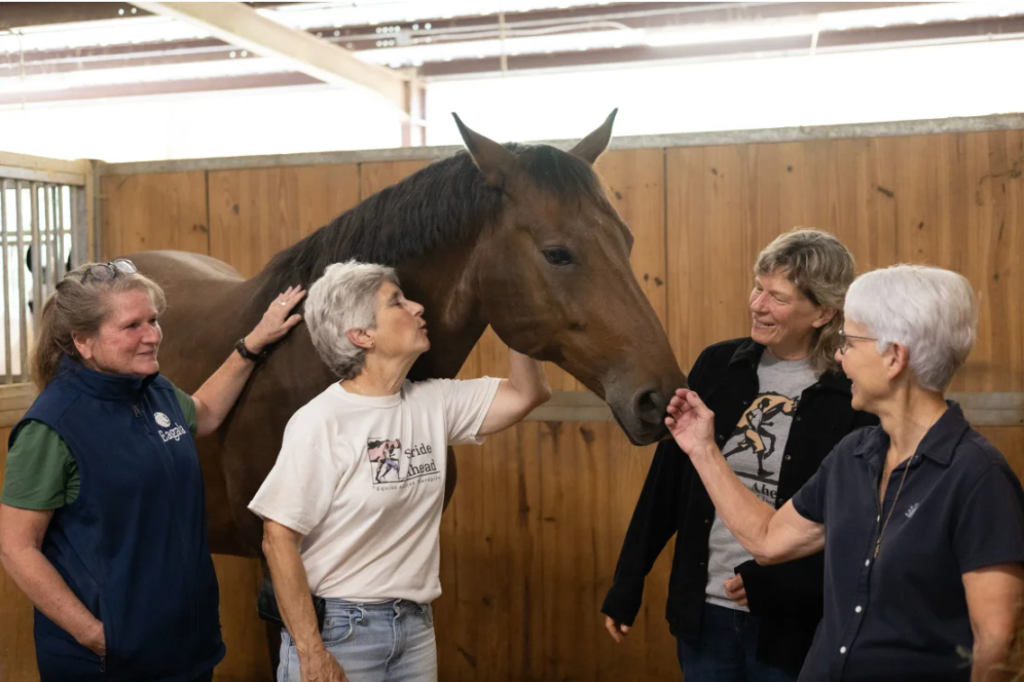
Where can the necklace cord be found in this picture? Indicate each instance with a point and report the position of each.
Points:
(881, 532)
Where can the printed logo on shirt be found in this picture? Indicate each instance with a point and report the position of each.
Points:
(912, 510)
(751, 447)
(390, 463)
(162, 419)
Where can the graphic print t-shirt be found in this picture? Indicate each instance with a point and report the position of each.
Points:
(755, 451)
(363, 480)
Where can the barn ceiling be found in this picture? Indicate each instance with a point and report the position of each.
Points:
(51, 52)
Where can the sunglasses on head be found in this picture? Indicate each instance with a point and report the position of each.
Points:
(104, 272)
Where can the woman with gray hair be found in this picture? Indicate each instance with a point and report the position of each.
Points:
(782, 404)
(352, 507)
(921, 519)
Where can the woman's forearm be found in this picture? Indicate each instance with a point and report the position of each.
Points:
(989, 661)
(291, 587)
(218, 394)
(34, 575)
(742, 512)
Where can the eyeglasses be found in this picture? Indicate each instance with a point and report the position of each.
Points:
(104, 272)
(844, 340)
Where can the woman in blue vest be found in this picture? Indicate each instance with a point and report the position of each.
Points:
(102, 514)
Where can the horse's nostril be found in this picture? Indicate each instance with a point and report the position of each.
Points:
(650, 406)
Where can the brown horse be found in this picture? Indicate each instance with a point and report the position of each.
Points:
(519, 237)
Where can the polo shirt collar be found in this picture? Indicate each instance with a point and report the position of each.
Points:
(941, 440)
(937, 445)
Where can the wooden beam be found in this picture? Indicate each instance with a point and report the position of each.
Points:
(238, 24)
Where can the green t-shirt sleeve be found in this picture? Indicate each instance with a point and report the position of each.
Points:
(41, 473)
(188, 406)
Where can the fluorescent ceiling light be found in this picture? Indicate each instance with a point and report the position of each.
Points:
(477, 49)
(374, 12)
(918, 14)
(126, 31)
(832, 21)
(141, 74)
(730, 33)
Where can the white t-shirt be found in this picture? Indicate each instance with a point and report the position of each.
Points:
(363, 480)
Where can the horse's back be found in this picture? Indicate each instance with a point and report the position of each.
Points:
(175, 265)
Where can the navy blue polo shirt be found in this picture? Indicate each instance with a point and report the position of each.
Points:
(903, 616)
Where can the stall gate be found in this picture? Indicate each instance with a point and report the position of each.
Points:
(44, 231)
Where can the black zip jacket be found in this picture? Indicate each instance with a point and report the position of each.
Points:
(787, 597)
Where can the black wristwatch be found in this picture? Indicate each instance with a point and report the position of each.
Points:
(248, 354)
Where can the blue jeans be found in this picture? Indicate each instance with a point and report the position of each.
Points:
(390, 641)
(726, 651)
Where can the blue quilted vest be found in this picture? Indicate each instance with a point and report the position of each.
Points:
(133, 546)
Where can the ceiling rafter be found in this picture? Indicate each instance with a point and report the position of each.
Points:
(240, 25)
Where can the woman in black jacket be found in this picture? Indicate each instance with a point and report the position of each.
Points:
(781, 404)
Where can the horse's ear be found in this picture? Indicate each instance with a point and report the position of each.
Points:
(594, 144)
(494, 161)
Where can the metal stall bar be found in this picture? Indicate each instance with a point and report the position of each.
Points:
(9, 370)
(51, 275)
(46, 237)
(78, 242)
(79, 226)
(22, 293)
(37, 262)
(58, 214)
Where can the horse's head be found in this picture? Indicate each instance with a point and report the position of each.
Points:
(554, 280)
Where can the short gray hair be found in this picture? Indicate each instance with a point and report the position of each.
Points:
(345, 298)
(821, 268)
(931, 311)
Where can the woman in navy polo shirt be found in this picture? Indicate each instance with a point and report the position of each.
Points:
(921, 519)
(102, 516)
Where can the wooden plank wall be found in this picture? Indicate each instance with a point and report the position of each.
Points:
(530, 542)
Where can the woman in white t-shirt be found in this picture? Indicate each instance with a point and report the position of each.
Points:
(352, 507)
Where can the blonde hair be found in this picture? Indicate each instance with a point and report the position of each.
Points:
(822, 269)
(80, 307)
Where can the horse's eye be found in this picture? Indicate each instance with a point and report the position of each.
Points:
(558, 256)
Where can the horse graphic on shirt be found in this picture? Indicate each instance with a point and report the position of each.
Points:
(752, 427)
(384, 453)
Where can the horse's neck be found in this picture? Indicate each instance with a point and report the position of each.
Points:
(445, 285)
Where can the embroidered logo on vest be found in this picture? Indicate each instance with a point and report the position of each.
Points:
(164, 421)
(912, 510)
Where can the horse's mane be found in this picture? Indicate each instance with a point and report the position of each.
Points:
(446, 202)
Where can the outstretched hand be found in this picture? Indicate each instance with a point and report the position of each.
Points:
(690, 422)
(277, 321)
